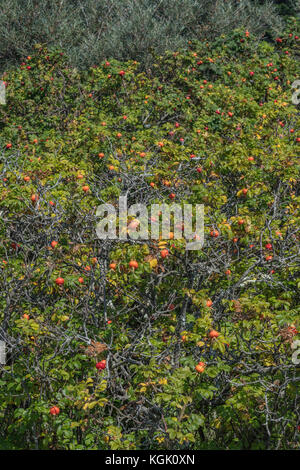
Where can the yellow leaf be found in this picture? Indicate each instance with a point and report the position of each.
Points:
(153, 263)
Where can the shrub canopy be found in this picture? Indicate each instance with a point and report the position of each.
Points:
(93, 30)
(214, 125)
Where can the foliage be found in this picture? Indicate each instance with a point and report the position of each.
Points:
(93, 30)
(228, 104)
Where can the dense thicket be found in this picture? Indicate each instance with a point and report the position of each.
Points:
(214, 124)
(92, 30)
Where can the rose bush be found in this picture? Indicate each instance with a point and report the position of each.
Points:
(112, 345)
